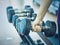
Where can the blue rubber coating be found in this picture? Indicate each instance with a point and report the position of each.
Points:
(17, 22)
(14, 19)
(10, 13)
(24, 27)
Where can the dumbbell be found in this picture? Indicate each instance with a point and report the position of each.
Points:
(17, 23)
(10, 13)
(14, 17)
(23, 27)
(33, 16)
(23, 15)
(49, 27)
(51, 30)
(28, 7)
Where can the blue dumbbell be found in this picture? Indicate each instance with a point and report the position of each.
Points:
(10, 13)
(14, 17)
(24, 26)
(17, 23)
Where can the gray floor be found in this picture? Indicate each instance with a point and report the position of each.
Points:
(8, 34)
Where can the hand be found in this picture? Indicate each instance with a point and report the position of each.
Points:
(36, 26)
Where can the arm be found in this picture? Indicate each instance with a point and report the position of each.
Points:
(40, 15)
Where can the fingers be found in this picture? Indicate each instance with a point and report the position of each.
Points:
(36, 28)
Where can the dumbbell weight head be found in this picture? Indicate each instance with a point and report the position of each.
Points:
(24, 26)
(49, 32)
(17, 23)
(10, 13)
(31, 10)
(33, 16)
(14, 19)
(9, 8)
(17, 20)
(16, 16)
(27, 6)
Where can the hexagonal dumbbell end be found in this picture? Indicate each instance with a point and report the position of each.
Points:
(27, 6)
(24, 26)
(10, 13)
(17, 23)
(33, 16)
(50, 28)
(31, 10)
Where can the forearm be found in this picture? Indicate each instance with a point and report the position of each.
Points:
(43, 9)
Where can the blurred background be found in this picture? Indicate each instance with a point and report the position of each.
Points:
(9, 35)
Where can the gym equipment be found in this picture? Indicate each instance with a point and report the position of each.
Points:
(10, 13)
(25, 24)
(22, 22)
(27, 15)
(23, 15)
(27, 7)
(49, 29)
(33, 16)
(24, 27)
(14, 17)
(52, 28)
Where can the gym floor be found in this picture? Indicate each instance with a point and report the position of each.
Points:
(8, 34)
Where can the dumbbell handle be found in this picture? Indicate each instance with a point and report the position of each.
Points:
(45, 28)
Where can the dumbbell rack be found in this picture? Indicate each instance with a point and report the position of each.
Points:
(27, 40)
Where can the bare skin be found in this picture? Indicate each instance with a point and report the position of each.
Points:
(37, 24)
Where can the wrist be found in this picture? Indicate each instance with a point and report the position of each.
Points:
(38, 20)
